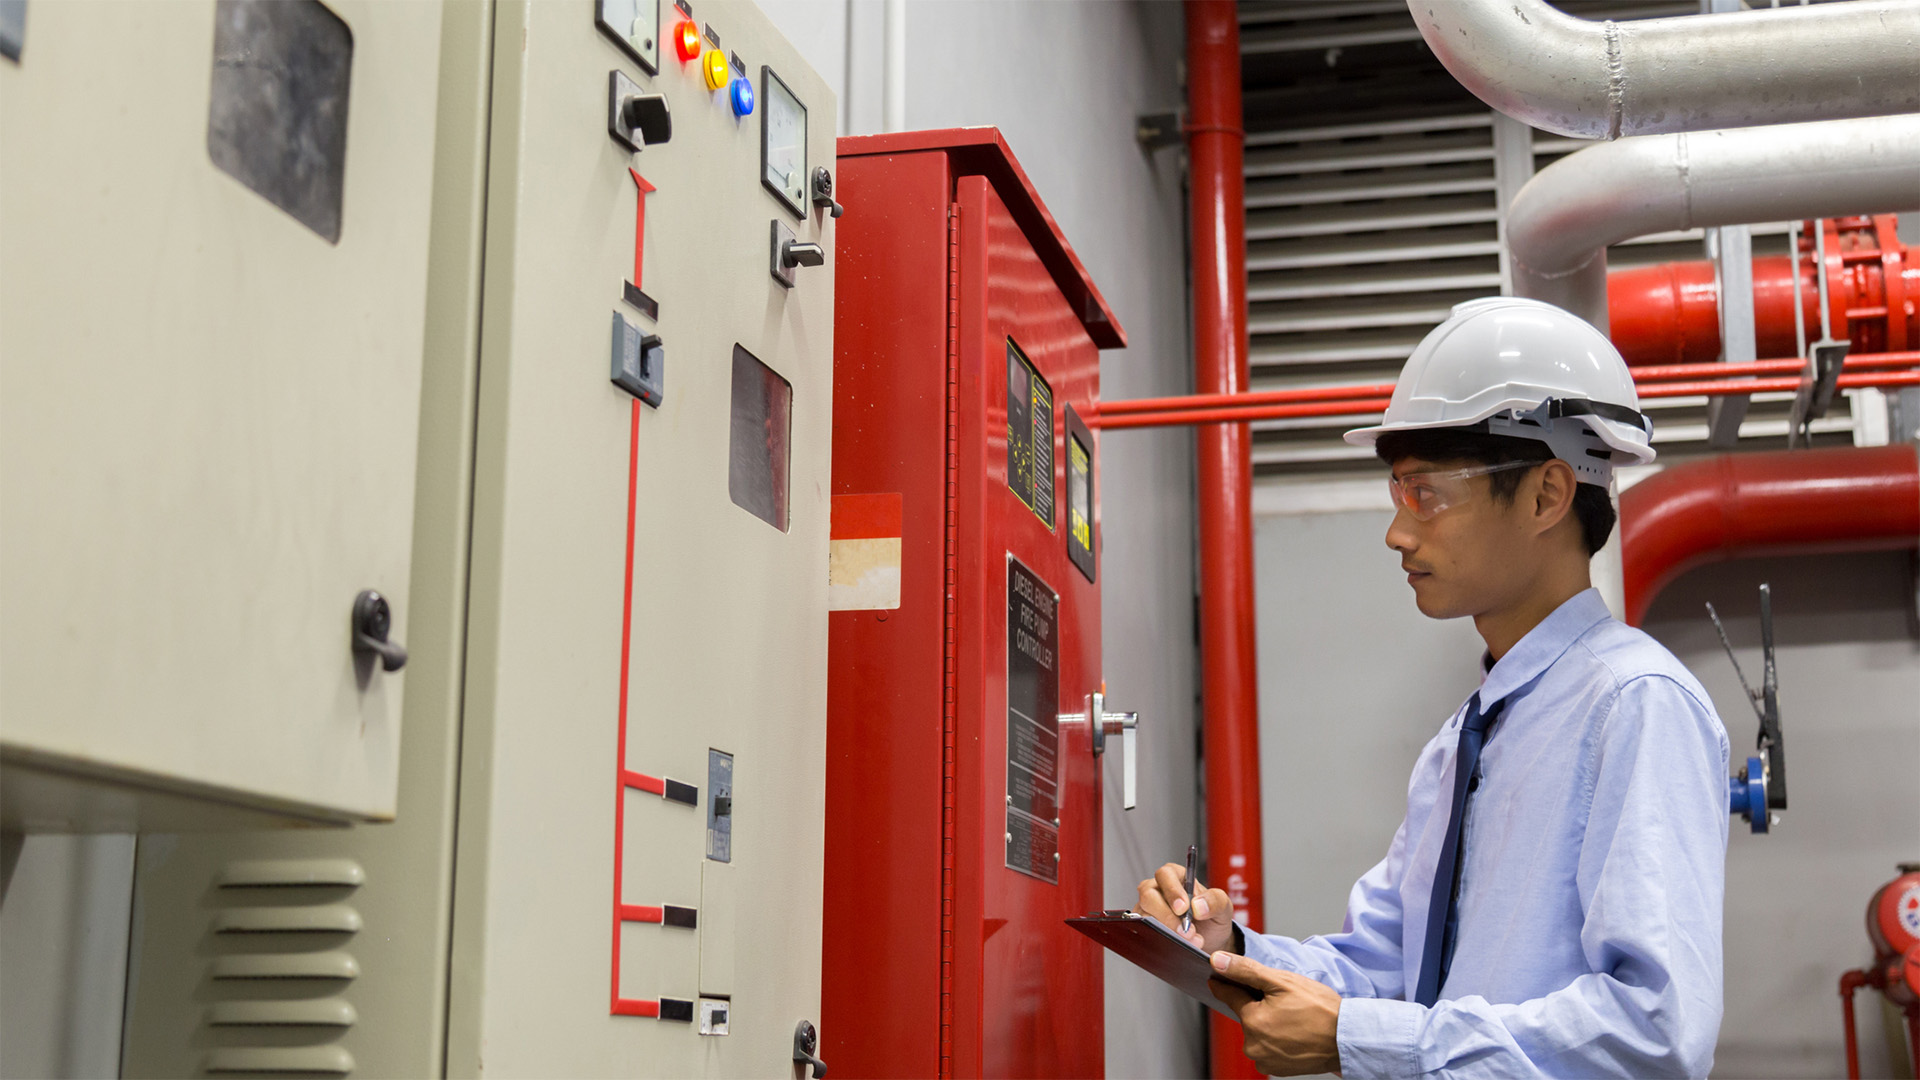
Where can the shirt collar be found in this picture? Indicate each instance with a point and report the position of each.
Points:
(1541, 646)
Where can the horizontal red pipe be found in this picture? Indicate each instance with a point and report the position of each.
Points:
(1258, 397)
(1738, 505)
(1855, 381)
(1784, 366)
(1876, 370)
(1171, 417)
(1366, 406)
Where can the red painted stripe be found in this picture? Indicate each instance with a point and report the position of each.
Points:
(621, 773)
(641, 780)
(634, 1007)
(641, 913)
(868, 517)
(639, 228)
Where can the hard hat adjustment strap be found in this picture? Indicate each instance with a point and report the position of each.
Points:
(1605, 410)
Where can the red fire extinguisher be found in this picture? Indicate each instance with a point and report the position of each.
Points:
(1893, 925)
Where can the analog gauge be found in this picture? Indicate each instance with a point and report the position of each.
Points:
(635, 25)
(783, 143)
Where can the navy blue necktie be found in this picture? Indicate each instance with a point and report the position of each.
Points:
(1437, 956)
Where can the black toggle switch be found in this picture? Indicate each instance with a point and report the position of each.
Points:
(648, 114)
(636, 120)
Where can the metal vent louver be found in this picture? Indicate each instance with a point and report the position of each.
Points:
(280, 967)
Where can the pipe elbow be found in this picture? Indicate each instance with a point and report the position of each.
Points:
(1653, 76)
(1738, 505)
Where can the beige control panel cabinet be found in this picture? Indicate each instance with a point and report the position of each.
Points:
(213, 272)
(608, 854)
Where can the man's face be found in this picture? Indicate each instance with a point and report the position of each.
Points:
(1470, 557)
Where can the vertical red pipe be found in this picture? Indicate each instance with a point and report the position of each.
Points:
(1230, 686)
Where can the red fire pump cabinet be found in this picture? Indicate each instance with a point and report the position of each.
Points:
(963, 794)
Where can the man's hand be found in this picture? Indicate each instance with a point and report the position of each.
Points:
(1294, 1030)
(1164, 896)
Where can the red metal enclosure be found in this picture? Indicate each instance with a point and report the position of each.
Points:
(1670, 313)
(967, 340)
(1736, 505)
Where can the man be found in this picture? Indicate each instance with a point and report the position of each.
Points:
(1550, 905)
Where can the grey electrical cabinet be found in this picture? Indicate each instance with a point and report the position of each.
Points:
(613, 759)
(213, 274)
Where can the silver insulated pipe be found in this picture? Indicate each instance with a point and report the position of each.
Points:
(1603, 80)
(1563, 219)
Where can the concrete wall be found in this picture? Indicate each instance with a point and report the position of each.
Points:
(1354, 681)
(1064, 82)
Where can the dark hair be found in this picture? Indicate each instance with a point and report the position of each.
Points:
(1591, 503)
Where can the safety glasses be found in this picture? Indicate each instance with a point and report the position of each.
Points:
(1424, 494)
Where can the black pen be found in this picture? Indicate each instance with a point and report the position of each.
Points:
(1186, 923)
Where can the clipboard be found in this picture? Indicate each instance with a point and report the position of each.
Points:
(1148, 943)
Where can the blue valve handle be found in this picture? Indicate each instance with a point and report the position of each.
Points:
(1747, 795)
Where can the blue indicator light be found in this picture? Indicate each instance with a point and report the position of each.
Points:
(742, 96)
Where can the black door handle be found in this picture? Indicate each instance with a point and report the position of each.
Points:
(806, 1043)
(372, 621)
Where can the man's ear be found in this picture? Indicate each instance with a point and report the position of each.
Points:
(1553, 499)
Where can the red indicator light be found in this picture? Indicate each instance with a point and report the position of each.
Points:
(686, 38)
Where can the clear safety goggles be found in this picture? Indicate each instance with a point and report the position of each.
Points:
(1424, 494)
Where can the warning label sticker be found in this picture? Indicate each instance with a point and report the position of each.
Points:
(1029, 435)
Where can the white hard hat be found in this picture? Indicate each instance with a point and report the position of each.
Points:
(1524, 369)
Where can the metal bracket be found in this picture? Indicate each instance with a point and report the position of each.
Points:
(1156, 130)
(1815, 395)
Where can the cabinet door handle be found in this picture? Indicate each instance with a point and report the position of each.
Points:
(372, 622)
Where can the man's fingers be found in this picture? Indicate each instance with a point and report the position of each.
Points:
(1154, 904)
(1213, 904)
(1248, 973)
(1232, 995)
(1172, 886)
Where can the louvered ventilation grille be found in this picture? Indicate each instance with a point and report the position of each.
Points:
(280, 967)
(1372, 208)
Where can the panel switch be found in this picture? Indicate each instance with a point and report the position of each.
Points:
(789, 253)
(639, 362)
(636, 120)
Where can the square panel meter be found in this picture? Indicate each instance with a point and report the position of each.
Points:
(783, 143)
(635, 26)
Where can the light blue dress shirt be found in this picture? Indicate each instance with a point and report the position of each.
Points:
(1590, 896)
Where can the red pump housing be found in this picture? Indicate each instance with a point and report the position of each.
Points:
(1670, 313)
(963, 810)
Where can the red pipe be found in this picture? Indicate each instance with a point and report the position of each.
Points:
(1849, 982)
(1671, 313)
(1735, 505)
(1228, 664)
(1860, 371)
